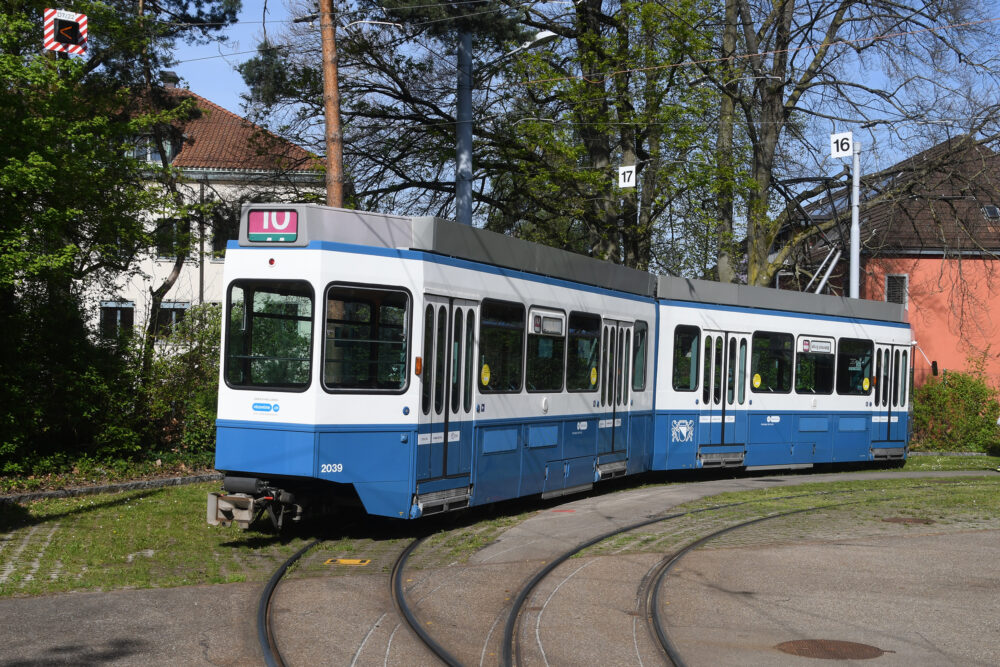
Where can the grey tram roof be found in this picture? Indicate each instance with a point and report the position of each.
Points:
(444, 237)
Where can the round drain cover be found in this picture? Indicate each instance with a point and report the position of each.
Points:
(830, 649)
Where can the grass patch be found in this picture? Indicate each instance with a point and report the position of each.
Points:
(137, 539)
(159, 538)
(929, 463)
(848, 510)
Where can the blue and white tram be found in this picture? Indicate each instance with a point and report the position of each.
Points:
(415, 366)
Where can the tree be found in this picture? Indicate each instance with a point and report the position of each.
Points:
(613, 92)
(546, 154)
(800, 68)
(72, 205)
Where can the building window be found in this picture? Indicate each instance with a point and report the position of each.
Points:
(145, 149)
(117, 319)
(991, 212)
(170, 238)
(170, 315)
(896, 289)
(225, 228)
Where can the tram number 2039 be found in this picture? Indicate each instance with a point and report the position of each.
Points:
(331, 467)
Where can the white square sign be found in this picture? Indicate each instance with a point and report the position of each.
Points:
(626, 177)
(842, 145)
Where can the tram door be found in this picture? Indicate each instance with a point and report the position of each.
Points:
(724, 386)
(616, 352)
(892, 382)
(444, 440)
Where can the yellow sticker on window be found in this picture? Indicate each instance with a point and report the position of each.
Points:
(865, 384)
(593, 375)
(484, 375)
(756, 380)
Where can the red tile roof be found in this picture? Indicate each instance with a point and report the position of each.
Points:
(219, 139)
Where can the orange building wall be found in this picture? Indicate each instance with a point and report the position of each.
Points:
(953, 306)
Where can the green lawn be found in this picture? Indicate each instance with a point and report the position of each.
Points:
(159, 538)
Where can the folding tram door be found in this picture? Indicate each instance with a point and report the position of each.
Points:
(616, 355)
(445, 430)
(890, 395)
(722, 424)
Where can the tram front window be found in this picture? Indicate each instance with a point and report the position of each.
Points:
(269, 334)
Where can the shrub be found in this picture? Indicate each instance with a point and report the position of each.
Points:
(183, 386)
(958, 412)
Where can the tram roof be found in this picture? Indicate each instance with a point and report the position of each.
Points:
(444, 237)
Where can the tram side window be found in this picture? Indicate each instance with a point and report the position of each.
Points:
(854, 366)
(686, 345)
(501, 346)
(546, 351)
(366, 339)
(583, 352)
(814, 371)
(269, 334)
(639, 356)
(771, 362)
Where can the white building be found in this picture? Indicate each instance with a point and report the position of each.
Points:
(222, 158)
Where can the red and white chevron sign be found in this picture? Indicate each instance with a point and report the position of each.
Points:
(65, 31)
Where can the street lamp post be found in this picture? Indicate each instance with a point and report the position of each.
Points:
(463, 130)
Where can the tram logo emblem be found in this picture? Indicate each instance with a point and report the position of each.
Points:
(682, 430)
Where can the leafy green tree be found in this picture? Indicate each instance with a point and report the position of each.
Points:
(72, 208)
(611, 92)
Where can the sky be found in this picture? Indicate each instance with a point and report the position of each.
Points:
(210, 71)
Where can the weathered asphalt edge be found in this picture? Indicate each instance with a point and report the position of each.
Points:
(109, 488)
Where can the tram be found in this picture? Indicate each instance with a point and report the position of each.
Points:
(412, 365)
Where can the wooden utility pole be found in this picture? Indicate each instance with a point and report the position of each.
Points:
(331, 108)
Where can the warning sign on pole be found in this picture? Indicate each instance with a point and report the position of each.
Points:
(65, 31)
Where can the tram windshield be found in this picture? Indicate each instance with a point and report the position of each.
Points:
(269, 334)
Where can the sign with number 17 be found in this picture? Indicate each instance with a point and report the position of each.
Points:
(626, 177)
(842, 145)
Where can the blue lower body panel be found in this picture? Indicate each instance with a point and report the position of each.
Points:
(773, 438)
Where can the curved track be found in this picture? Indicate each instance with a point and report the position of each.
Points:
(654, 581)
(272, 657)
(513, 613)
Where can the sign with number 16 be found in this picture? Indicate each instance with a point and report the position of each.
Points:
(842, 145)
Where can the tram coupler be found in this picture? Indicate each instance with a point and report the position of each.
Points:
(224, 509)
(245, 499)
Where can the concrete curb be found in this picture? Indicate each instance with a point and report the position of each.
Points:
(109, 488)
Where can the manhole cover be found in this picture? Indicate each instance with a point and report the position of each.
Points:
(830, 649)
(908, 520)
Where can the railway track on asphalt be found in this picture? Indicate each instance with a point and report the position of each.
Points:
(510, 653)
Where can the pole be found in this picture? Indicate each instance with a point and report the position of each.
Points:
(463, 140)
(855, 223)
(331, 108)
